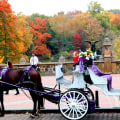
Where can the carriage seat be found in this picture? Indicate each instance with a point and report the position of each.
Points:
(60, 80)
(98, 73)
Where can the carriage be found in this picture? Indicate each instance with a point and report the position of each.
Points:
(78, 99)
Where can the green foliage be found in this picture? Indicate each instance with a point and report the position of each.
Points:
(116, 47)
(32, 17)
(115, 11)
(68, 44)
(114, 28)
(56, 56)
(104, 19)
(98, 12)
(67, 56)
(61, 13)
(44, 58)
(94, 7)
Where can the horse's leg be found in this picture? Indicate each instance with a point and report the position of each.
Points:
(2, 105)
(38, 109)
(40, 99)
(34, 98)
(40, 104)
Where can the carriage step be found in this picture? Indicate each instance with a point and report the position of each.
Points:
(91, 106)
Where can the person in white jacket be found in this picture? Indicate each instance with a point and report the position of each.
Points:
(34, 61)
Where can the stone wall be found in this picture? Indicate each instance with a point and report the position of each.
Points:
(49, 67)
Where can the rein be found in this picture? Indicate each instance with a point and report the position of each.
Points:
(29, 89)
(26, 94)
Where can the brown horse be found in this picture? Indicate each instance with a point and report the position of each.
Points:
(28, 78)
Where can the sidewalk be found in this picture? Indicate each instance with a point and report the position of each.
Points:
(93, 116)
(22, 102)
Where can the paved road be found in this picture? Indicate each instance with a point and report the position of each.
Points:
(13, 102)
(22, 102)
(51, 116)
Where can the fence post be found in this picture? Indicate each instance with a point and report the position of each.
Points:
(97, 98)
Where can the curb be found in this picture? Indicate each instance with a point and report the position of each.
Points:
(18, 111)
(51, 110)
(109, 109)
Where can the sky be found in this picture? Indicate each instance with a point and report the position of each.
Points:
(52, 7)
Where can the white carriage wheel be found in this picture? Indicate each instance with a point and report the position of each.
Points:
(73, 105)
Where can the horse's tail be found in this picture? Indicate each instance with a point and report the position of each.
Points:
(39, 82)
(40, 88)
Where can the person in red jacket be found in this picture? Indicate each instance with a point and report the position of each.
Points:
(75, 57)
(75, 60)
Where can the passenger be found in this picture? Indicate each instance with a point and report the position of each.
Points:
(75, 60)
(10, 65)
(75, 57)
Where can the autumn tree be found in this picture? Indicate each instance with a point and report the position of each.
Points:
(58, 26)
(84, 37)
(70, 27)
(116, 47)
(77, 41)
(115, 20)
(89, 25)
(39, 28)
(14, 33)
(7, 31)
(23, 37)
(95, 10)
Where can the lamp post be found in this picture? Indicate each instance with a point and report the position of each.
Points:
(63, 39)
(62, 59)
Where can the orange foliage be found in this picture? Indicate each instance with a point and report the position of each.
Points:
(4, 6)
(38, 28)
(16, 30)
(115, 19)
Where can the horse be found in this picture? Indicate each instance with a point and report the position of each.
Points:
(24, 77)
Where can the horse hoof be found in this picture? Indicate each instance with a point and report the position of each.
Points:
(17, 93)
(37, 113)
(32, 116)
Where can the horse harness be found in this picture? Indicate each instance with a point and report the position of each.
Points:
(4, 71)
(22, 81)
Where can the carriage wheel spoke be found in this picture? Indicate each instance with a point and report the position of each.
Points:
(67, 110)
(63, 100)
(67, 98)
(73, 113)
(73, 105)
(70, 95)
(77, 98)
(76, 113)
(70, 112)
(82, 98)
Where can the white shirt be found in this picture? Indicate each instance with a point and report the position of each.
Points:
(33, 60)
